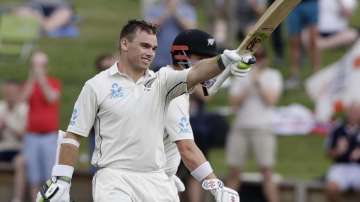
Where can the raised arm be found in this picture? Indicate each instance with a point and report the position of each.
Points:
(239, 64)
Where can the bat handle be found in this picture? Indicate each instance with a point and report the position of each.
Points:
(219, 81)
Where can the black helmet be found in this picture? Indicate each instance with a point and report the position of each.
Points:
(189, 42)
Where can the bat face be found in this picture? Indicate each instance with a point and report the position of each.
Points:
(255, 39)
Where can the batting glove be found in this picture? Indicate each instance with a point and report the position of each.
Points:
(220, 192)
(56, 189)
(178, 183)
(239, 64)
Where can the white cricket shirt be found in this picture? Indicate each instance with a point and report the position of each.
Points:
(129, 117)
(177, 127)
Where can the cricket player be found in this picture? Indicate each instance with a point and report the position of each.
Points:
(188, 48)
(127, 105)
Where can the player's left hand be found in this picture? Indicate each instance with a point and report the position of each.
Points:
(56, 189)
(239, 64)
(220, 192)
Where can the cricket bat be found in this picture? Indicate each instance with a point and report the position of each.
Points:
(263, 28)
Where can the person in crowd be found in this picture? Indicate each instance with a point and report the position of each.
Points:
(12, 128)
(343, 147)
(52, 14)
(303, 17)
(247, 12)
(252, 99)
(172, 17)
(42, 94)
(334, 29)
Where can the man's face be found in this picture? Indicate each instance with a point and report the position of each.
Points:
(39, 59)
(10, 92)
(353, 112)
(141, 50)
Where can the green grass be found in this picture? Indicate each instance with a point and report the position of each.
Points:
(72, 60)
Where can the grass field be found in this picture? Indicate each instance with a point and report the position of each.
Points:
(72, 60)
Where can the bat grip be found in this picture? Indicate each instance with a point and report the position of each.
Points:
(219, 81)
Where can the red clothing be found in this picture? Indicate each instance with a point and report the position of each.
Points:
(43, 116)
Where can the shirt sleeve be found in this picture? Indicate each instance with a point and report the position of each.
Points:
(173, 83)
(177, 123)
(84, 112)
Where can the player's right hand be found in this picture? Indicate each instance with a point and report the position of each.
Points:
(239, 64)
(56, 189)
(220, 192)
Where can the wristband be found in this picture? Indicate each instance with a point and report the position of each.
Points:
(63, 170)
(70, 141)
(202, 171)
(220, 63)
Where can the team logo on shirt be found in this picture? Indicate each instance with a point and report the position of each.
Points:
(74, 116)
(209, 83)
(184, 125)
(116, 91)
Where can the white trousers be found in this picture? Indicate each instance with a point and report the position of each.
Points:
(345, 175)
(114, 185)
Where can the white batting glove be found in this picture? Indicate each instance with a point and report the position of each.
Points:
(178, 183)
(221, 193)
(239, 64)
(56, 189)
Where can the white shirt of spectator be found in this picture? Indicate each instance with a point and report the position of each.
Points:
(129, 117)
(330, 18)
(253, 112)
(15, 120)
(177, 127)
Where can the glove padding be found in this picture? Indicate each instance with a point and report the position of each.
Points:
(55, 189)
(221, 193)
(239, 64)
(178, 183)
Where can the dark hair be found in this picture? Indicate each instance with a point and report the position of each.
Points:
(132, 26)
(99, 60)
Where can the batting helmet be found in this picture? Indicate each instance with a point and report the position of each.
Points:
(189, 42)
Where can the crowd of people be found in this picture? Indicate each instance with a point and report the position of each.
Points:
(29, 110)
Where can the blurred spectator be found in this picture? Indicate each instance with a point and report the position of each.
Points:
(42, 93)
(343, 147)
(335, 85)
(172, 16)
(334, 16)
(52, 14)
(146, 4)
(247, 13)
(304, 16)
(12, 127)
(252, 98)
(102, 62)
(217, 20)
(277, 42)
